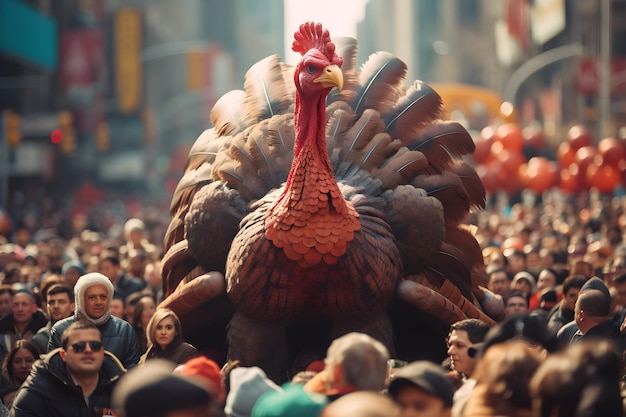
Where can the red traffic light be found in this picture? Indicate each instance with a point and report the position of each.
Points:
(56, 136)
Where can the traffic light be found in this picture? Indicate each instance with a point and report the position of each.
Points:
(13, 130)
(66, 124)
(102, 137)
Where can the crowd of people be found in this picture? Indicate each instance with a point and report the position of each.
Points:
(82, 332)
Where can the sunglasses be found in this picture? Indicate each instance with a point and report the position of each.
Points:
(79, 347)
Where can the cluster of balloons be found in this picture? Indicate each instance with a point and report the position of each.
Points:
(578, 164)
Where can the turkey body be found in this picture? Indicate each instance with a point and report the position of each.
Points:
(322, 208)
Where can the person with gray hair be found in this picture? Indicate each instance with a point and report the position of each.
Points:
(93, 293)
(355, 362)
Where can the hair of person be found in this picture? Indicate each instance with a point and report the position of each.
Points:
(594, 303)
(139, 307)
(476, 329)
(582, 379)
(7, 288)
(499, 269)
(363, 360)
(51, 281)
(363, 404)
(115, 261)
(504, 372)
(61, 289)
(160, 314)
(29, 293)
(575, 281)
(77, 325)
(119, 297)
(7, 369)
(515, 293)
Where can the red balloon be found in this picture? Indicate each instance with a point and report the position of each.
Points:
(579, 136)
(568, 181)
(612, 151)
(603, 177)
(510, 135)
(488, 133)
(541, 173)
(565, 154)
(510, 161)
(533, 136)
(584, 158)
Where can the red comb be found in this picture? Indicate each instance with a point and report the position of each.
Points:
(312, 35)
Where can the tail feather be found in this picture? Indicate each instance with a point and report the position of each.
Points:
(381, 83)
(448, 189)
(419, 107)
(472, 184)
(442, 143)
(267, 93)
(400, 168)
(227, 115)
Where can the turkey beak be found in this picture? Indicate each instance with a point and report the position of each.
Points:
(331, 77)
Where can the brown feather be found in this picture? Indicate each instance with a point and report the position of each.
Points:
(472, 184)
(467, 243)
(442, 143)
(448, 189)
(380, 80)
(419, 107)
(227, 115)
(400, 168)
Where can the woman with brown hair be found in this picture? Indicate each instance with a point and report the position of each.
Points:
(165, 339)
(16, 368)
(144, 309)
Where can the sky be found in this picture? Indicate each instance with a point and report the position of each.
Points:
(340, 17)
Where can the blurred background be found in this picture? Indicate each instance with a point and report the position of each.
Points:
(103, 99)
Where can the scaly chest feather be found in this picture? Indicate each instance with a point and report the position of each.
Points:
(311, 221)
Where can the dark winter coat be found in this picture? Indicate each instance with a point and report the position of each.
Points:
(118, 337)
(49, 390)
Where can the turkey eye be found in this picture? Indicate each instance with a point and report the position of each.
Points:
(311, 69)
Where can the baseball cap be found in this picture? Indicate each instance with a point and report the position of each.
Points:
(426, 376)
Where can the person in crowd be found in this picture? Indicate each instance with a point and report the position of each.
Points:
(92, 294)
(592, 314)
(524, 282)
(546, 279)
(503, 375)
(246, 385)
(129, 305)
(76, 379)
(619, 286)
(563, 312)
(16, 368)
(124, 285)
(23, 322)
(515, 261)
(165, 339)
(515, 302)
(136, 239)
(292, 400)
(463, 335)
(208, 372)
(547, 301)
(144, 310)
(354, 362)
(72, 270)
(60, 305)
(498, 281)
(117, 306)
(137, 259)
(422, 389)
(6, 296)
(152, 276)
(581, 380)
(154, 390)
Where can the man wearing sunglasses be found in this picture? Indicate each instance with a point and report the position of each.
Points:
(93, 293)
(76, 379)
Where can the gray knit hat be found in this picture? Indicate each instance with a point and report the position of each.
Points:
(84, 282)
